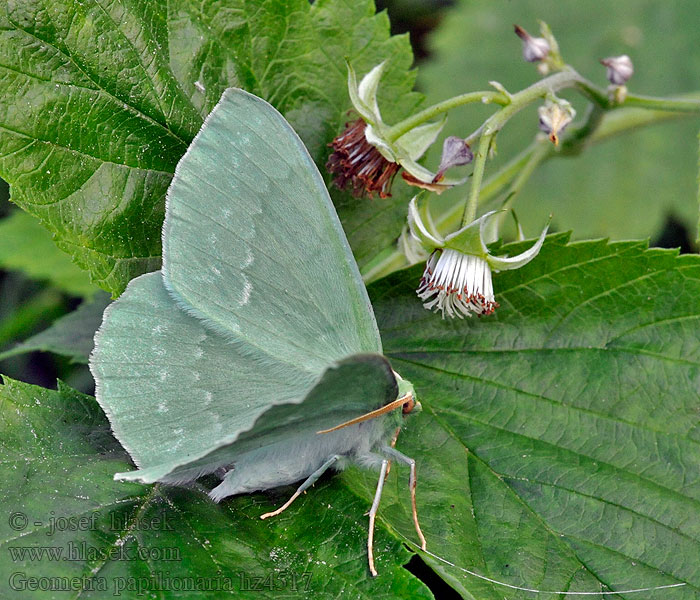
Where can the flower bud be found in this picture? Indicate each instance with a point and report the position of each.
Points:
(455, 153)
(534, 49)
(555, 114)
(619, 69)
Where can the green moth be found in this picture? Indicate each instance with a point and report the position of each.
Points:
(243, 355)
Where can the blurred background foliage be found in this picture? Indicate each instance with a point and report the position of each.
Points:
(38, 284)
(641, 185)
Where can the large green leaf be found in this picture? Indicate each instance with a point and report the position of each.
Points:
(558, 448)
(27, 247)
(559, 445)
(626, 187)
(66, 518)
(99, 101)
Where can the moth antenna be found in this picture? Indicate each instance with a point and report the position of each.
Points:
(372, 415)
(525, 589)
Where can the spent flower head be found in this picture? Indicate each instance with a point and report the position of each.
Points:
(555, 114)
(358, 164)
(457, 276)
(365, 155)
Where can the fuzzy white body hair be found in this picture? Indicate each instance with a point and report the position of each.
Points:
(297, 457)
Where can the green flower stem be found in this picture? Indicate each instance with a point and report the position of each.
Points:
(601, 98)
(564, 79)
(664, 104)
(451, 219)
(477, 176)
(492, 125)
(396, 131)
(568, 77)
(594, 93)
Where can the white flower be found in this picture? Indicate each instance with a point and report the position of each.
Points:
(364, 154)
(457, 276)
(457, 284)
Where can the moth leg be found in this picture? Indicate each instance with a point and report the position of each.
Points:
(373, 514)
(393, 444)
(402, 458)
(304, 486)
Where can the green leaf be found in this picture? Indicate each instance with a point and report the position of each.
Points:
(92, 132)
(559, 443)
(626, 187)
(558, 448)
(26, 246)
(371, 224)
(70, 335)
(65, 517)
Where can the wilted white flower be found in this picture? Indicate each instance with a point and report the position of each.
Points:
(457, 284)
(555, 114)
(457, 276)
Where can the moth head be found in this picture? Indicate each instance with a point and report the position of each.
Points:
(406, 400)
(407, 391)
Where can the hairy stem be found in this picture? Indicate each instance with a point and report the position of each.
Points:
(477, 175)
(395, 132)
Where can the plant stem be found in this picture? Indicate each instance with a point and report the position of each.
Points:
(599, 97)
(566, 78)
(477, 175)
(670, 104)
(451, 219)
(396, 131)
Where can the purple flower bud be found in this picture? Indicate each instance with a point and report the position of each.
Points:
(534, 49)
(455, 153)
(619, 69)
